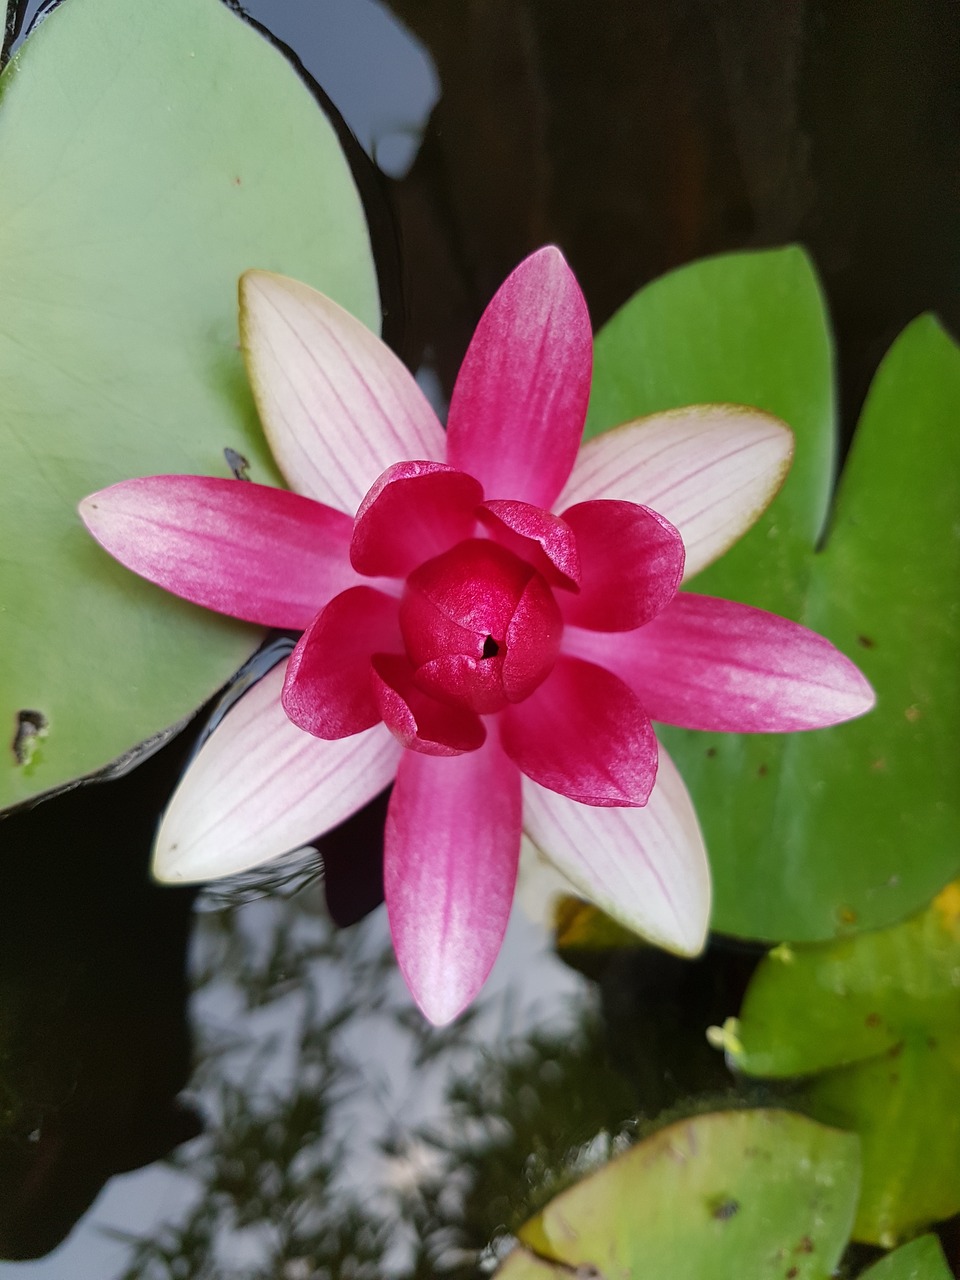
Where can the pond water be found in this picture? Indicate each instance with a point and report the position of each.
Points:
(228, 1082)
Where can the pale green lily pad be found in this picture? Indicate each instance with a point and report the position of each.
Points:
(815, 834)
(150, 153)
(742, 1195)
(877, 1017)
(921, 1259)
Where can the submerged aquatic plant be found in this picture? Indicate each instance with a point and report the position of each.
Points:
(490, 614)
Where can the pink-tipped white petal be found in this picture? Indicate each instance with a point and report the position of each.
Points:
(450, 865)
(520, 400)
(540, 538)
(645, 867)
(585, 734)
(413, 512)
(336, 404)
(631, 563)
(711, 470)
(247, 550)
(717, 665)
(260, 787)
(329, 689)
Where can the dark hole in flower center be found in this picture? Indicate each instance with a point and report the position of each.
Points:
(490, 648)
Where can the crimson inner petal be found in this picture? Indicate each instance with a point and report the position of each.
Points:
(480, 625)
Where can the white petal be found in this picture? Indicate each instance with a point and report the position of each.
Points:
(260, 787)
(711, 470)
(336, 404)
(645, 867)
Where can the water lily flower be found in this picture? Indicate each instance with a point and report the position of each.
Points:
(490, 615)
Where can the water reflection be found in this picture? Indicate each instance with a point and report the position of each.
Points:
(379, 75)
(345, 1136)
(325, 1092)
(94, 1046)
(641, 136)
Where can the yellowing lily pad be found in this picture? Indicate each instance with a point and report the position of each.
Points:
(743, 1195)
(876, 1021)
(921, 1259)
(580, 926)
(150, 153)
(817, 834)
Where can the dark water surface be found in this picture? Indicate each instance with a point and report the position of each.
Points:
(319, 1126)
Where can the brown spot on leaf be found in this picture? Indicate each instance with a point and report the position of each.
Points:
(866, 643)
(762, 770)
(725, 1209)
(31, 727)
(912, 713)
(872, 1020)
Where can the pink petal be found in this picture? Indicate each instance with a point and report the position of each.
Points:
(413, 512)
(631, 561)
(418, 721)
(584, 734)
(717, 665)
(450, 865)
(260, 787)
(329, 687)
(542, 539)
(247, 550)
(518, 407)
(337, 405)
(645, 867)
(711, 470)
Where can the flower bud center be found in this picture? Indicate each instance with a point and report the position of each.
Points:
(481, 626)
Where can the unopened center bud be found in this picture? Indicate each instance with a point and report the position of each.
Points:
(481, 626)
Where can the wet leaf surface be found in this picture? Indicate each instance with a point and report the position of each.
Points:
(876, 1021)
(733, 1195)
(817, 834)
(150, 154)
(921, 1259)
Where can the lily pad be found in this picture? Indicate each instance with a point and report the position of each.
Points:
(921, 1259)
(816, 834)
(743, 1195)
(150, 154)
(876, 1020)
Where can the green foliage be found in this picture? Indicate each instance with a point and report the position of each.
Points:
(919, 1260)
(739, 1195)
(150, 154)
(876, 1021)
(816, 834)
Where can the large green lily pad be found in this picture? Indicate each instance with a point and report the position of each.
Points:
(921, 1259)
(816, 834)
(149, 154)
(743, 1195)
(875, 1020)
